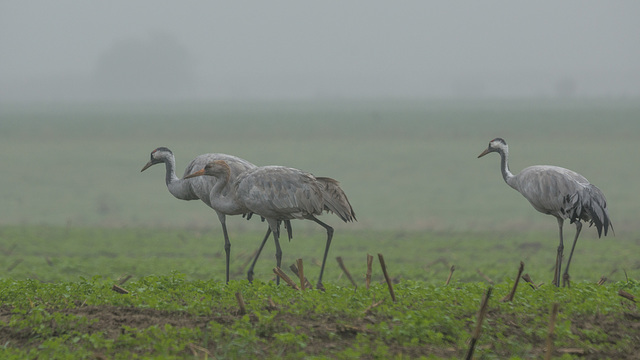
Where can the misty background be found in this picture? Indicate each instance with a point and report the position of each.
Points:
(394, 100)
(77, 51)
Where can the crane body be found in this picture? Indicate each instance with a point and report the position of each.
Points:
(200, 188)
(559, 192)
(279, 193)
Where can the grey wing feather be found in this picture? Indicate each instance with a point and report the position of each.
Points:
(546, 187)
(564, 193)
(335, 200)
(280, 192)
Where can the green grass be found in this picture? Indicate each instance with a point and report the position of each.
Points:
(77, 215)
(201, 319)
(56, 297)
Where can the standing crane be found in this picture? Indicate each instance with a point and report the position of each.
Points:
(279, 193)
(556, 191)
(200, 188)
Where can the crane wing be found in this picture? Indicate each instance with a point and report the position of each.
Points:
(335, 200)
(279, 192)
(546, 187)
(564, 193)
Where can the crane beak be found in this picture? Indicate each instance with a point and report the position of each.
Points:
(197, 173)
(146, 166)
(485, 152)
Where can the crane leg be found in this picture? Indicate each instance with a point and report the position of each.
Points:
(227, 243)
(556, 275)
(326, 249)
(565, 277)
(274, 225)
(278, 255)
(255, 259)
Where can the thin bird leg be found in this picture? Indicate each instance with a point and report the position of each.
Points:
(556, 275)
(326, 249)
(255, 259)
(276, 235)
(565, 277)
(227, 244)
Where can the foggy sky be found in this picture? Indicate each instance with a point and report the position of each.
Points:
(141, 50)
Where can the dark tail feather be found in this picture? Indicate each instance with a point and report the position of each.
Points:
(592, 206)
(287, 225)
(335, 200)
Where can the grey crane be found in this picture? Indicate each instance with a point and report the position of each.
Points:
(279, 193)
(560, 192)
(200, 188)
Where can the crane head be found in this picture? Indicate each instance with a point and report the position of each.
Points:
(157, 156)
(194, 174)
(495, 145)
(217, 168)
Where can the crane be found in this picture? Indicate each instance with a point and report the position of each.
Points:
(559, 192)
(200, 188)
(279, 193)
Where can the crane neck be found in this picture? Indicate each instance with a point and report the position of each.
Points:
(177, 187)
(508, 177)
(222, 195)
(170, 165)
(220, 188)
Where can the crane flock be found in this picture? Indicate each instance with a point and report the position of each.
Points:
(234, 186)
(200, 189)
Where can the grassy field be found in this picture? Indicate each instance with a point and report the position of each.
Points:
(51, 254)
(57, 298)
(404, 165)
(77, 216)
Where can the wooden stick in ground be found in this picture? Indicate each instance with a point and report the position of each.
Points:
(195, 348)
(386, 277)
(485, 276)
(552, 324)
(301, 273)
(369, 265)
(119, 290)
(476, 333)
(626, 295)
(243, 309)
(346, 272)
(453, 268)
(527, 278)
(294, 269)
(272, 305)
(285, 277)
(373, 305)
(124, 279)
(515, 285)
